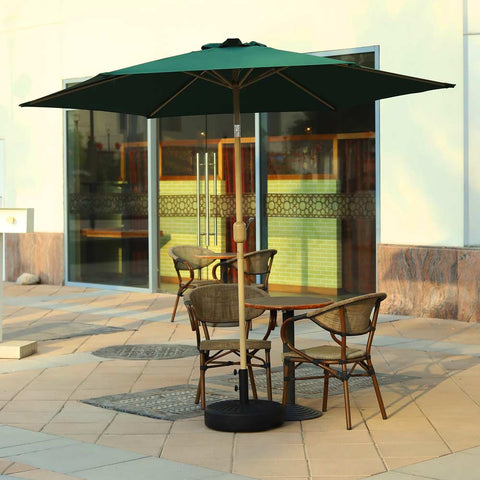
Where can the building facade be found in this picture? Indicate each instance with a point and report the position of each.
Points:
(381, 196)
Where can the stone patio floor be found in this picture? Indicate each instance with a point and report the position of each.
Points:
(46, 432)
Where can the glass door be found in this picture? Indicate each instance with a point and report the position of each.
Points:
(196, 185)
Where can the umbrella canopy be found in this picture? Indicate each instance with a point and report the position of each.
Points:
(234, 77)
(201, 82)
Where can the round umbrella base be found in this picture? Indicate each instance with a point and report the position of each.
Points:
(252, 416)
(295, 412)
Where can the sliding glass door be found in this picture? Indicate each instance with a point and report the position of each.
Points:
(196, 200)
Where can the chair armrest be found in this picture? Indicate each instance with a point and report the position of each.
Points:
(214, 272)
(285, 341)
(192, 318)
(272, 323)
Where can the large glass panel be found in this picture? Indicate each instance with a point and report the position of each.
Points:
(321, 198)
(107, 198)
(196, 203)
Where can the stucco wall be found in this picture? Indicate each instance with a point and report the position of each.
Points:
(421, 137)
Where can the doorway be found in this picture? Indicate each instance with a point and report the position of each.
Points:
(196, 185)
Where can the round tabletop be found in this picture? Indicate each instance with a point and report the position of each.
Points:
(287, 302)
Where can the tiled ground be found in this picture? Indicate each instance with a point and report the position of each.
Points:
(433, 413)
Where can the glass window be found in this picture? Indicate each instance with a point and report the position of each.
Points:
(321, 198)
(107, 198)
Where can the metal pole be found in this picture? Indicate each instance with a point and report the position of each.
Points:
(207, 203)
(215, 195)
(198, 199)
(153, 205)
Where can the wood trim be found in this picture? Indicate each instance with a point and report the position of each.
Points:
(279, 288)
(303, 289)
(114, 233)
(165, 279)
(222, 141)
(323, 136)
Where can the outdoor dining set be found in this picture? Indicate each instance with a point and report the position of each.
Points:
(237, 77)
(213, 303)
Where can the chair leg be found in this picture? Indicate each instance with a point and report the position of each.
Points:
(268, 373)
(197, 396)
(325, 391)
(286, 377)
(377, 391)
(252, 382)
(175, 307)
(273, 316)
(347, 399)
(201, 381)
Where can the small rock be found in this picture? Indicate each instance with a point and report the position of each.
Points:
(28, 279)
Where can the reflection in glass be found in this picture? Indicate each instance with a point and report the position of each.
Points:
(196, 201)
(321, 198)
(107, 198)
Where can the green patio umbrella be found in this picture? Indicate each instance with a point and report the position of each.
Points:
(234, 77)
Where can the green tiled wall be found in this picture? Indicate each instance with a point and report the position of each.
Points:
(309, 252)
(183, 230)
(309, 249)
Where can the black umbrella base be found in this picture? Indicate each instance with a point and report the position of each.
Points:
(295, 412)
(250, 416)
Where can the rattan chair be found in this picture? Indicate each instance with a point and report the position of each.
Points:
(185, 260)
(256, 263)
(344, 319)
(217, 306)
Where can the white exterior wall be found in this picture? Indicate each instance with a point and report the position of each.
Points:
(472, 42)
(421, 136)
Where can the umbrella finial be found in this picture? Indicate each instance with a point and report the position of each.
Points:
(232, 42)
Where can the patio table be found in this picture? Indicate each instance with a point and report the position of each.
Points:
(287, 305)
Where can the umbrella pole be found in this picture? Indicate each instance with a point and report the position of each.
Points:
(239, 236)
(242, 415)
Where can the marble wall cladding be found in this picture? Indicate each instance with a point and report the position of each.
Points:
(469, 285)
(38, 253)
(430, 281)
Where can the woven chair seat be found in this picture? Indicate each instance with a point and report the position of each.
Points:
(233, 344)
(327, 352)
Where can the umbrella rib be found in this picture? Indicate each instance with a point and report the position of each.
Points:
(306, 90)
(264, 75)
(175, 95)
(222, 83)
(243, 80)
